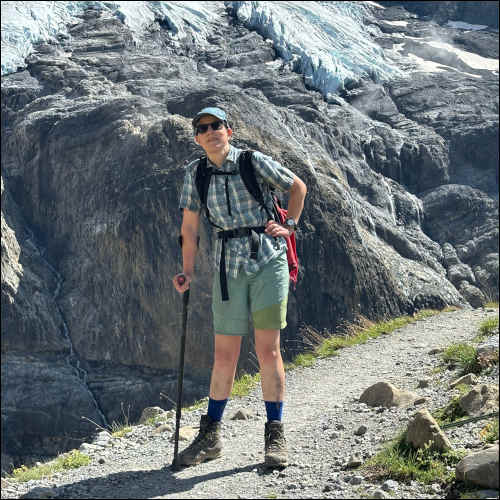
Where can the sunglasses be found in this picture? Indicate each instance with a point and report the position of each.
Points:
(201, 129)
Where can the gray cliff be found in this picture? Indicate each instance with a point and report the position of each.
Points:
(401, 212)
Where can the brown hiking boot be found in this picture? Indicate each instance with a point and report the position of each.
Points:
(206, 446)
(276, 452)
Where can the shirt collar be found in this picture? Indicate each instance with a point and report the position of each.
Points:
(231, 159)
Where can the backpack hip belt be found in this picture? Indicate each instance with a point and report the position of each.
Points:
(239, 232)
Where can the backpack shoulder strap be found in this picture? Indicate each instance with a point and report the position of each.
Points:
(247, 173)
(202, 180)
(202, 183)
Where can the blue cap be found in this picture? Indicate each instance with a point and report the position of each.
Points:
(217, 112)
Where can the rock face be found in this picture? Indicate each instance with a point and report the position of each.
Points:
(401, 212)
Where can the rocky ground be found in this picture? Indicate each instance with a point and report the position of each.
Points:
(401, 212)
(323, 419)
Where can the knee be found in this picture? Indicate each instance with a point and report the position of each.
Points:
(268, 355)
(225, 359)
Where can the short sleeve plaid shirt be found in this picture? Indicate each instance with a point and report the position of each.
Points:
(243, 210)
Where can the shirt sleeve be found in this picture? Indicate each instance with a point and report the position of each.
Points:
(272, 172)
(189, 195)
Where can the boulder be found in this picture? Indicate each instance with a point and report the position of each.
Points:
(480, 468)
(186, 433)
(473, 294)
(480, 399)
(151, 412)
(423, 429)
(386, 394)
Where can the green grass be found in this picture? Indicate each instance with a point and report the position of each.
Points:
(488, 327)
(464, 355)
(450, 413)
(399, 461)
(493, 304)
(322, 347)
(489, 433)
(244, 384)
(71, 460)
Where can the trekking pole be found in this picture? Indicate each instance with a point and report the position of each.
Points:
(185, 300)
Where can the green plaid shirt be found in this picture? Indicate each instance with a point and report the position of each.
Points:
(245, 211)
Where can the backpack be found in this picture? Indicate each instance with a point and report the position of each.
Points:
(247, 173)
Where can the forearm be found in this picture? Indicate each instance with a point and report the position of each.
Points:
(189, 250)
(296, 201)
(189, 233)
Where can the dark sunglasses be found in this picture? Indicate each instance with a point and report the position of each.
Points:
(201, 129)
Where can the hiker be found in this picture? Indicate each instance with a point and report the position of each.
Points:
(252, 275)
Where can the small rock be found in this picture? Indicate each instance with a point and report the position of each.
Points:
(379, 494)
(103, 436)
(163, 428)
(101, 461)
(419, 401)
(422, 383)
(355, 480)
(469, 379)
(354, 461)
(241, 415)
(361, 430)
(435, 488)
(436, 350)
(334, 435)
(150, 412)
(390, 485)
(88, 448)
(327, 488)
(185, 434)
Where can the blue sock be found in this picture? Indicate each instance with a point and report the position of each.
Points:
(216, 408)
(274, 410)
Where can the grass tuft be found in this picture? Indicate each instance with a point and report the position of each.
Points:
(71, 460)
(464, 355)
(487, 328)
(401, 462)
(489, 433)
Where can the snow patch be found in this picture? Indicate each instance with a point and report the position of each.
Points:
(465, 26)
(397, 23)
(473, 60)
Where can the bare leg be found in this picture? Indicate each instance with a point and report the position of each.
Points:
(272, 372)
(227, 352)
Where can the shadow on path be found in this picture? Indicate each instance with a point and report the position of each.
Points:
(136, 484)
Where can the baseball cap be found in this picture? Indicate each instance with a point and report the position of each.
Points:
(217, 112)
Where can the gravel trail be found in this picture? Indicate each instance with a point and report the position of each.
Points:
(322, 419)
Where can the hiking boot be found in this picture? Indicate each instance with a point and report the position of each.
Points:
(276, 452)
(206, 446)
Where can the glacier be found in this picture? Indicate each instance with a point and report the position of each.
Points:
(329, 43)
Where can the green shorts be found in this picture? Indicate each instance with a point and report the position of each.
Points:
(263, 294)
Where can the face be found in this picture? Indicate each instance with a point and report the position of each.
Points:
(213, 141)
